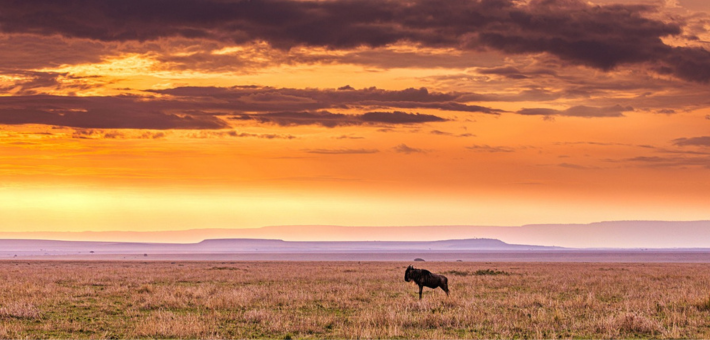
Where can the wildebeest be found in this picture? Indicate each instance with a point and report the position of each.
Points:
(423, 277)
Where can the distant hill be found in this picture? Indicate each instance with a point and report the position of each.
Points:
(51, 247)
(615, 234)
(358, 246)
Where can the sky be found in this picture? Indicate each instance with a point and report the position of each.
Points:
(170, 115)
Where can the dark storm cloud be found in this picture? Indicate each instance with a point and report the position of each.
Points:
(578, 111)
(28, 51)
(601, 37)
(329, 119)
(122, 112)
(689, 63)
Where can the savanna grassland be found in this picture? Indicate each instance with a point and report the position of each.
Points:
(351, 300)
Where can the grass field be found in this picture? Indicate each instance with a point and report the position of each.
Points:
(351, 300)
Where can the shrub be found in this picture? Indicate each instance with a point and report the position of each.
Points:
(490, 272)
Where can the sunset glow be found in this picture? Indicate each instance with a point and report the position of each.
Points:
(242, 114)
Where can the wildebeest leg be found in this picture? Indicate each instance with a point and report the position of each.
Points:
(420, 292)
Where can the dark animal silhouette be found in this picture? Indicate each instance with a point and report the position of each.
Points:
(423, 277)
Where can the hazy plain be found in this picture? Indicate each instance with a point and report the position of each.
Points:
(608, 256)
(161, 299)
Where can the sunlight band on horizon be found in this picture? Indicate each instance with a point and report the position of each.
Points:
(78, 210)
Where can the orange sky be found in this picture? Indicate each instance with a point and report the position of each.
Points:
(352, 113)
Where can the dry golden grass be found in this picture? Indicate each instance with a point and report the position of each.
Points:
(351, 300)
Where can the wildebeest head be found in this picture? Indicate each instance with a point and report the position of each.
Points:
(408, 278)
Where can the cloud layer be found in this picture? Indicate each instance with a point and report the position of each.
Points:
(254, 98)
(328, 119)
(122, 112)
(579, 111)
(212, 108)
(601, 37)
(692, 141)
